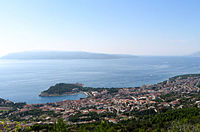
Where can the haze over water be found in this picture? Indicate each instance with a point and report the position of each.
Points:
(23, 80)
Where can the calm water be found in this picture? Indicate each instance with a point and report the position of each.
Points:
(23, 80)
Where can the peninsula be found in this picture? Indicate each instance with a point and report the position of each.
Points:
(62, 89)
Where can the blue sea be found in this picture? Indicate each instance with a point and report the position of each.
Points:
(23, 80)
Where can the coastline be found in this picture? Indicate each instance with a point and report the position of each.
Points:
(65, 94)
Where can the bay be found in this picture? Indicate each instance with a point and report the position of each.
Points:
(23, 80)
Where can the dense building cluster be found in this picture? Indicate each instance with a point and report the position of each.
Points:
(113, 106)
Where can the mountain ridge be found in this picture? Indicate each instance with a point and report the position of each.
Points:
(28, 55)
(196, 54)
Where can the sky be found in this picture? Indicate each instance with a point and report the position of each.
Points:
(138, 27)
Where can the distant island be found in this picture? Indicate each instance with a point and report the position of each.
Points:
(63, 55)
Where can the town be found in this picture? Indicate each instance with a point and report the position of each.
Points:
(112, 105)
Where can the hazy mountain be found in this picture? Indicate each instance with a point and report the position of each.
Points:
(63, 55)
(197, 54)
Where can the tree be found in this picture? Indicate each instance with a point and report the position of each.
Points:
(59, 126)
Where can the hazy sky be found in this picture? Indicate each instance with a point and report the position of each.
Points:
(140, 27)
